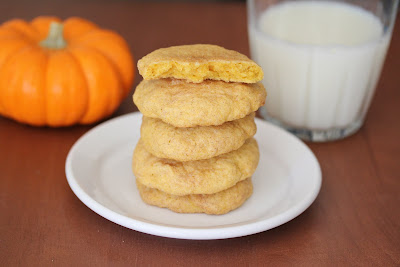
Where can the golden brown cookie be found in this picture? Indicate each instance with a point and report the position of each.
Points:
(186, 144)
(184, 104)
(206, 176)
(199, 62)
(218, 203)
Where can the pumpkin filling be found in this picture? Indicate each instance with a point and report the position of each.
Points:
(196, 72)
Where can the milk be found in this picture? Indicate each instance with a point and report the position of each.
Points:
(321, 62)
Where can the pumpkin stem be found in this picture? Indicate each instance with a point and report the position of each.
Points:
(54, 39)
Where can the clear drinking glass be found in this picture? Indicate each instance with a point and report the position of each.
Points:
(321, 59)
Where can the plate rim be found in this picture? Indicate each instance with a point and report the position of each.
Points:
(219, 232)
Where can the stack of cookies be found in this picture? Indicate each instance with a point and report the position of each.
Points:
(197, 153)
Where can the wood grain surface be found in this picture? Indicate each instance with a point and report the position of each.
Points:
(354, 221)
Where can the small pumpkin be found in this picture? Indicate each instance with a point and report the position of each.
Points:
(62, 73)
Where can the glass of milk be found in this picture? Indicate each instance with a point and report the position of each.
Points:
(321, 59)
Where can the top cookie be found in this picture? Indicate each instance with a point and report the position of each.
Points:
(199, 62)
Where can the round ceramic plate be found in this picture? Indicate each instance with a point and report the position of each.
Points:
(98, 169)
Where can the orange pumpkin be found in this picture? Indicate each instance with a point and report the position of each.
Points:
(59, 74)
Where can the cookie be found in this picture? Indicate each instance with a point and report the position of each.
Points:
(199, 62)
(186, 144)
(184, 104)
(195, 177)
(218, 203)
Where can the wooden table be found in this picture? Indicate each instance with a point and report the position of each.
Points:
(354, 221)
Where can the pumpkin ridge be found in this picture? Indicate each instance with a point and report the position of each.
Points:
(107, 99)
(17, 25)
(46, 117)
(111, 107)
(112, 64)
(71, 23)
(10, 34)
(80, 67)
(26, 95)
(13, 52)
(90, 40)
(6, 112)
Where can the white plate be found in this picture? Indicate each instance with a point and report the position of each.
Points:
(98, 170)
